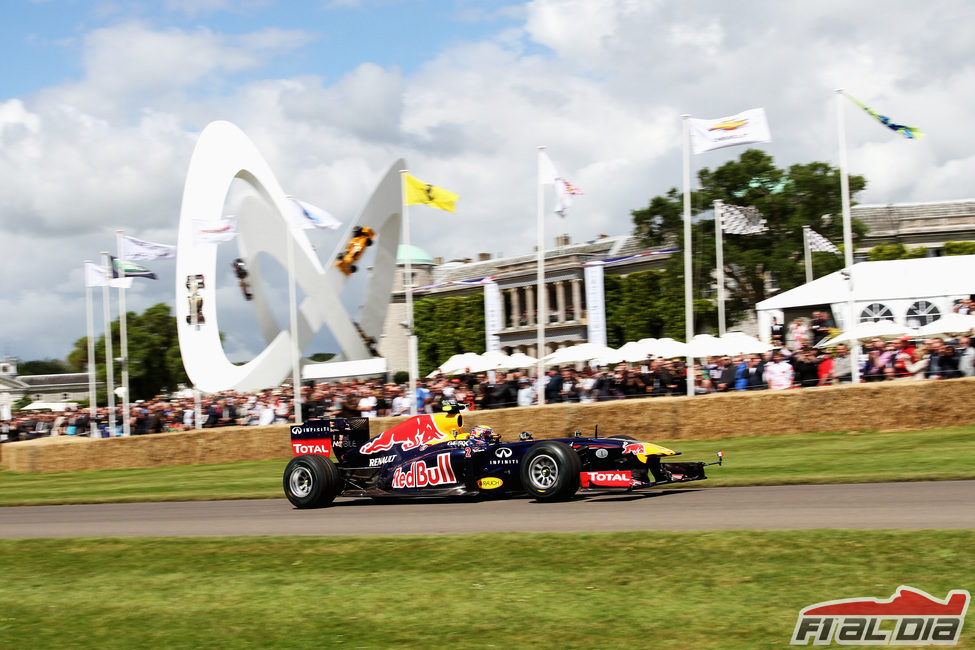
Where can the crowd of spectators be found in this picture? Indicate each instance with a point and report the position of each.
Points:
(783, 367)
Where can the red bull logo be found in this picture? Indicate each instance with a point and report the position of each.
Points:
(909, 617)
(419, 475)
(415, 432)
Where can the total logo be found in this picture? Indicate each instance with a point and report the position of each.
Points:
(606, 479)
(909, 617)
(322, 447)
(376, 462)
(419, 475)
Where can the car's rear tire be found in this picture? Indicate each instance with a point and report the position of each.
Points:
(311, 481)
(550, 471)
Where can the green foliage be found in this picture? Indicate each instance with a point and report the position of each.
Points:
(960, 248)
(322, 356)
(895, 252)
(789, 199)
(21, 403)
(401, 377)
(43, 367)
(155, 364)
(448, 326)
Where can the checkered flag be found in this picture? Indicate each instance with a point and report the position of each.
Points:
(819, 244)
(741, 220)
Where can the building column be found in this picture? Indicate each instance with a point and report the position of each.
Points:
(530, 304)
(515, 308)
(560, 299)
(576, 299)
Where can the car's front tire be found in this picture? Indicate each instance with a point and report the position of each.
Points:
(550, 471)
(311, 481)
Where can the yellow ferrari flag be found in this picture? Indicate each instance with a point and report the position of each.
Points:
(420, 193)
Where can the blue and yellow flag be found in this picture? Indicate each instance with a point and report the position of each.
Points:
(907, 131)
(420, 193)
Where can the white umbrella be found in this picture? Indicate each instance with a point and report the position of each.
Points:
(867, 330)
(457, 363)
(705, 345)
(668, 348)
(636, 350)
(950, 323)
(578, 353)
(741, 343)
(490, 360)
(520, 360)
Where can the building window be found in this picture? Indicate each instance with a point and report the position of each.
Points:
(921, 313)
(876, 312)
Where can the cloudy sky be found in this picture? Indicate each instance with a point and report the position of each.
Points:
(101, 104)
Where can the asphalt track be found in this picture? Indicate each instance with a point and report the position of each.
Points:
(941, 504)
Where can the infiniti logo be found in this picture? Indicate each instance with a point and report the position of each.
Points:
(503, 452)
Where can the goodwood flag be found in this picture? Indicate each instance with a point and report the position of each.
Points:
(819, 244)
(747, 127)
(908, 132)
(741, 220)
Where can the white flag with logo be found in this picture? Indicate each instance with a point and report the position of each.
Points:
(564, 190)
(741, 220)
(138, 250)
(215, 231)
(747, 127)
(819, 244)
(308, 216)
(98, 276)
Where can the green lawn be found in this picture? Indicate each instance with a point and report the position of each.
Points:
(754, 460)
(663, 590)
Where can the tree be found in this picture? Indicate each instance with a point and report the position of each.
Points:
(155, 363)
(960, 248)
(895, 252)
(448, 326)
(807, 194)
(43, 367)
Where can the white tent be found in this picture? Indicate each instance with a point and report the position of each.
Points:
(53, 406)
(906, 291)
(579, 353)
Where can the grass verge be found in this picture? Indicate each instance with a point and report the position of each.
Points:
(944, 454)
(613, 590)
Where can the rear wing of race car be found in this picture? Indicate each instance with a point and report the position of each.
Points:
(329, 436)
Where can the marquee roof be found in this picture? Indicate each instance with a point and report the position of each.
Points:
(927, 277)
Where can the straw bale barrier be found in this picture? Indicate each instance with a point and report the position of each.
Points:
(884, 406)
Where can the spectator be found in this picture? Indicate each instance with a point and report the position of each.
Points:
(526, 394)
(966, 357)
(553, 386)
(779, 374)
(842, 365)
(799, 333)
(778, 333)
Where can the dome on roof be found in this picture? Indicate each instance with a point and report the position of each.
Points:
(415, 254)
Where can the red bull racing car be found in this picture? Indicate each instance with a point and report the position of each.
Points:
(429, 455)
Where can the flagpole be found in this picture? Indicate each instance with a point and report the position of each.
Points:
(293, 312)
(688, 280)
(719, 260)
(123, 336)
(411, 352)
(90, 324)
(109, 360)
(847, 238)
(807, 254)
(541, 297)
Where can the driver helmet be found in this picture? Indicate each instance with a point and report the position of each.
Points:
(484, 434)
